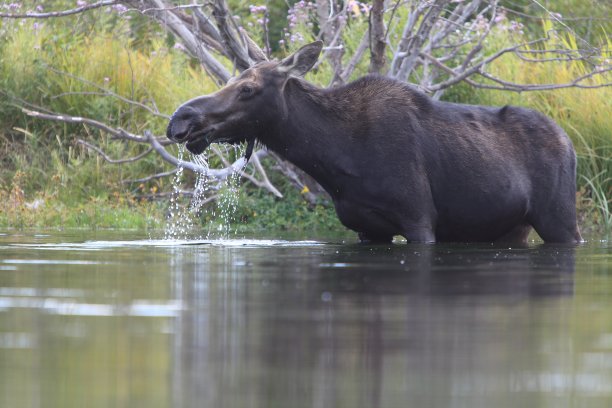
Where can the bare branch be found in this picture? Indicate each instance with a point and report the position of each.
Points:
(63, 13)
(230, 36)
(152, 177)
(219, 174)
(576, 83)
(157, 145)
(291, 172)
(464, 73)
(356, 58)
(266, 181)
(255, 52)
(207, 29)
(377, 36)
(168, 8)
(191, 42)
(331, 28)
(113, 161)
(411, 44)
(511, 86)
(77, 119)
(105, 92)
(165, 195)
(117, 133)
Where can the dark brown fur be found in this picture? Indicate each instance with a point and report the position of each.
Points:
(396, 162)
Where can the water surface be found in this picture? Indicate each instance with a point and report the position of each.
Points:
(114, 319)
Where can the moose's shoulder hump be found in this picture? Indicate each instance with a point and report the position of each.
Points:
(379, 88)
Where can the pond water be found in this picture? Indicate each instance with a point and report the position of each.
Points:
(114, 319)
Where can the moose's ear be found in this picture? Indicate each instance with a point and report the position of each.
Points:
(302, 61)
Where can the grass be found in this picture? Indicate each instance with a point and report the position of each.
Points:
(40, 161)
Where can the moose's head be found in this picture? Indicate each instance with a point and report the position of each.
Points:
(247, 106)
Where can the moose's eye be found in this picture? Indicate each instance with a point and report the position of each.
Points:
(246, 91)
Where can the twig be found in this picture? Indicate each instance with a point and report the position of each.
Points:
(113, 161)
(511, 86)
(186, 193)
(168, 8)
(288, 170)
(576, 83)
(62, 13)
(258, 167)
(106, 92)
(356, 58)
(152, 177)
(230, 36)
(178, 27)
(266, 181)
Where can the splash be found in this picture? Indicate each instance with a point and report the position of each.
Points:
(184, 221)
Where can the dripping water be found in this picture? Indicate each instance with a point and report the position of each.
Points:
(177, 224)
(184, 220)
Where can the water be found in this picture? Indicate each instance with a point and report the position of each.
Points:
(183, 217)
(113, 319)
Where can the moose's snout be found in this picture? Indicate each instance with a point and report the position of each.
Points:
(181, 124)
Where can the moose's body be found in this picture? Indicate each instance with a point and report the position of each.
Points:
(396, 162)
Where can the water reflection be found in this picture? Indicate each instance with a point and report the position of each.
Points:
(372, 327)
(305, 325)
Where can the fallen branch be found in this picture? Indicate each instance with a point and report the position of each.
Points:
(117, 133)
(158, 146)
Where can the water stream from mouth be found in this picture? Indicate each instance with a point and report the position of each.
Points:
(184, 220)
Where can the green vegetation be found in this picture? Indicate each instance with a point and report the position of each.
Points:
(46, 178)
(77, 66)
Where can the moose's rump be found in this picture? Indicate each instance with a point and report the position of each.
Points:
(493, 169)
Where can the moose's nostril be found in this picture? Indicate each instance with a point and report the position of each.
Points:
(178, 129)
(181, 123)
(169, 134)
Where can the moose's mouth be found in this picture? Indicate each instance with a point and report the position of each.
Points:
(198, 141)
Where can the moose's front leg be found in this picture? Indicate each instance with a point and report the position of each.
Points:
(420, 234)
(366, 238)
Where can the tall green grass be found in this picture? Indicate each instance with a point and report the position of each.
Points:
(39, 160)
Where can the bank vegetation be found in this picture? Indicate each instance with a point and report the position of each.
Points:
(86, 90)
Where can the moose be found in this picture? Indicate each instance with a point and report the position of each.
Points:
(395, 161)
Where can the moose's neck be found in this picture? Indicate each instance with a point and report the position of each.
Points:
(315, 136)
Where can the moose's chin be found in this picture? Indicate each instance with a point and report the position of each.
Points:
(201, 140)
(197, 146)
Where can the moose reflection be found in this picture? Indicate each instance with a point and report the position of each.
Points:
(395, 161)
(346, 326)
